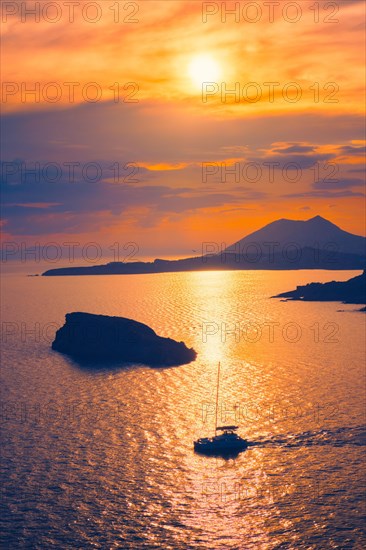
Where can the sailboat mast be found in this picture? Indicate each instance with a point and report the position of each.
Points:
(217, 395)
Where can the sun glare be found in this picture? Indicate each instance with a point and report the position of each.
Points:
(203, 68)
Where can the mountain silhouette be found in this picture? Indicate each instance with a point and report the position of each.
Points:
(283, 244)
(314, 233)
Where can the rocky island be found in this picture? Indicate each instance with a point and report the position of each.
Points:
(352, 291)
(96, 338)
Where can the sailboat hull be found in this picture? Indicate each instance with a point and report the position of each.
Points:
(220, 446)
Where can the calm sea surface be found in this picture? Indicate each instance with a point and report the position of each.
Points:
(103, 458)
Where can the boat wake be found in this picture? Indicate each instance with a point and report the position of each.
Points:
(354, 436)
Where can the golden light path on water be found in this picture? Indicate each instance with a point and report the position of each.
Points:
(104, 457)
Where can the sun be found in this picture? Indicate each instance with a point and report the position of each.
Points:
(203, 68)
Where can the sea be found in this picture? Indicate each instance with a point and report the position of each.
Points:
(102, 456)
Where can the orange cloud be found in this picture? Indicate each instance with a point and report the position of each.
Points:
(269, 67)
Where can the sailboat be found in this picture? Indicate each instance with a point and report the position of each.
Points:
(224, 444)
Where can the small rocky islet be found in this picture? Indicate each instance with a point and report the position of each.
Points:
(99, 338)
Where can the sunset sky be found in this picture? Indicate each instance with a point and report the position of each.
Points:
(195, 162)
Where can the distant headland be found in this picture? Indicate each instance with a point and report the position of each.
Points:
(281, 245)
(352, 291)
